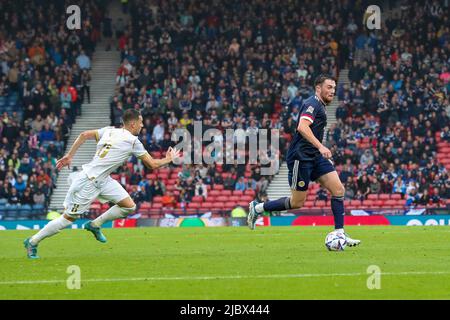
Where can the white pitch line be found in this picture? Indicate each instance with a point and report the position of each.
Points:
(237, 277)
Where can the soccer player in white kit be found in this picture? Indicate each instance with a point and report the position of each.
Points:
(114, 147)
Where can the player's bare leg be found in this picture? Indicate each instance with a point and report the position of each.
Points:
(119, 211)
(333, 184)
(52, 228)
(295, 201)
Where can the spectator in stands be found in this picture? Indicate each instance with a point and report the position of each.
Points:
(13, 197)
(240, 184)
(322, 194)
(201, 189)
(27, 197)
(399, 186)
(83, 61)
(39, 197)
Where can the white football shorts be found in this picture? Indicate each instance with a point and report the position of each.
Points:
(83, 191)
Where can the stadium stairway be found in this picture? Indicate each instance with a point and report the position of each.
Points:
(94, 115)
(279, 186)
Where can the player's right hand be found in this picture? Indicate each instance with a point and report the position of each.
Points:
(325, 152)
(64, 161)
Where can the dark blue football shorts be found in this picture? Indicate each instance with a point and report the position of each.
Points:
(302, 172)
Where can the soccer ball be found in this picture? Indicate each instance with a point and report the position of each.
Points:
(335, 241)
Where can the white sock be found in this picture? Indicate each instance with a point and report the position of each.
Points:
(339, 230)
(112, 213)
(259, 207)
(50, 229)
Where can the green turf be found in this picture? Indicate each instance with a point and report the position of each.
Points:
(229, 263)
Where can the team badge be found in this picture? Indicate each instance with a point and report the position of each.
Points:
(301, 184)
(310, 109)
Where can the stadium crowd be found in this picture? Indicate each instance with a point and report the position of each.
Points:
(44, 79)
(396, 109)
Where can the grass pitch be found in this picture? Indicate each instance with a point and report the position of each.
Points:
(229, 263)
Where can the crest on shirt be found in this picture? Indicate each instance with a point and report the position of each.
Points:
(310, 109)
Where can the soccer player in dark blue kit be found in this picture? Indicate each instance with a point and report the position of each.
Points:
(309, 160)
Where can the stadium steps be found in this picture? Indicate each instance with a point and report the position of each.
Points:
(94, 115)
(279, 187)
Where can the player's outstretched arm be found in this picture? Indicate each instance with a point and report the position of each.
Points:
(305, 131)
(67, 159)
(152, 163)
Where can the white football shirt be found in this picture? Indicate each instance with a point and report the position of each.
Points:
(114, 147)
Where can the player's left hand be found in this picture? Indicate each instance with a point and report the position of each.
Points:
(64, 161)
(172, 153)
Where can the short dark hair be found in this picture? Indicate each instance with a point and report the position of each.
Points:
(320, 79)
(130, 115)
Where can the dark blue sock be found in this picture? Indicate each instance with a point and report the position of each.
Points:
(278, 205)
(337, 206)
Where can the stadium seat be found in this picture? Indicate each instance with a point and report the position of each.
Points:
(218, 187)
(24, 212)
(250, 192)
(368, 203)
(194, 205)
(396, 196)
(384, 196)
(320, 203)
(238, 192)
(372, 197)
(215, 193)
(145, 205)
(390, 203)
(197, 199)
(309, 204)
(157, 199)
(207, 205)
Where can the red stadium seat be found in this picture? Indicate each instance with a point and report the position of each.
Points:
(197, 199)
(218, 187)
(320, 203)
(222, 199)
(218, 205)
(207, 205)
(396, 196)
(390, 203)
(194, 205)
(163, 176)
(157, 205)
(145, 205)
(250, 192)
(384, 196)
(309, 204)
(372, 197)
(214, 193)
(227, 193)
(238, 192)
(157, 199)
